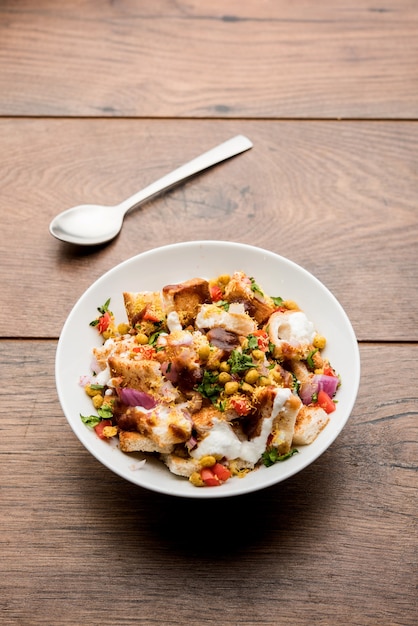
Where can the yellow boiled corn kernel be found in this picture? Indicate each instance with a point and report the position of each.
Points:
(319, 342)
(251, 376)
(231, 387)
(247, 388)
(110, 431)
(196, 479)
(223, 279)
(264, 381)
(97, 401)
(291, 305)
(123, 328)
(204, 352)
(207, 461)
(92, 392)
(224, 378)
(258, 355)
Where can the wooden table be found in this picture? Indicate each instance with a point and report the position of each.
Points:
(97, 100)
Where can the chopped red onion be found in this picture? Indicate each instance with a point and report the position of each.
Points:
(133, 397)
(192, 443)
(307, 390)
(94, 366)
(317, 383)
(326, 383)
(170, 371)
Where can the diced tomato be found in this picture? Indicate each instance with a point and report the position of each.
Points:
(241, 405)
(262, 339)
(104, 322)
(325, 402)
(150, 315)
(209, 478)
(146, 351)
(328, 371)
(221, 472)
(100, 426)
(215, 293)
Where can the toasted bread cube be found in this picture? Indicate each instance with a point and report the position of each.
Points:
(236, 320)
(203, 420)
(180, 466)
(140, 303)
(186, 298)
(144, 375)
(258, 305)
(135, 442)
(310, 421)
(284, 425)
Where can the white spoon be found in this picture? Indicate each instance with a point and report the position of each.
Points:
(93, 224)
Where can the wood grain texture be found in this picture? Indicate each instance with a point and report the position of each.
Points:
(337, 198)
(344, 59)
(335, 544)
(98, 99)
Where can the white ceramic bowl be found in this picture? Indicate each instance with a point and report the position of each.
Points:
(176, 263)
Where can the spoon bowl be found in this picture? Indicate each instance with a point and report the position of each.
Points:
(95, 224)
(88, 224)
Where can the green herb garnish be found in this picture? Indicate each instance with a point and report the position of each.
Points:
(309, 358)
(223, 304)
(105, 412)
(256, 288)
(272, 456)
(252, 342)
(209, 387)
(277, 300)
(102, 310)
(239, 362)
(296, 383)
(153, 338)
(90, 420)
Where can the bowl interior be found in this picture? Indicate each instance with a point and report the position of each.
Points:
(175, 263)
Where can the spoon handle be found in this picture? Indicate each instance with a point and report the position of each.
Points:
(225, 150)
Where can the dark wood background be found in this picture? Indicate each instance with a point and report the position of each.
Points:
(98, 99)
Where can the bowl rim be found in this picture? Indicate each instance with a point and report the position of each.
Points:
(246, 485)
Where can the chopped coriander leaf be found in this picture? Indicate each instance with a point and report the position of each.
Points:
(153, 338)
(252, 342)
(309, 359)
(278, 301)
(239, 362)
(255, 287)
(296, 383)
(272, 456)
(209, 387)
(105, 413)
(221, 406)
(103, 309)
(90, 420)
(224, 304)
